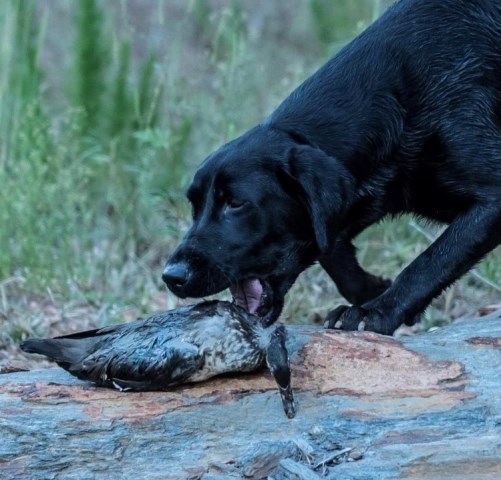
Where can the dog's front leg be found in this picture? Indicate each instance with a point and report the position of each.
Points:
(468, 238)
(352, 281)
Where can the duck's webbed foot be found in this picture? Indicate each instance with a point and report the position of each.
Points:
(277, 360)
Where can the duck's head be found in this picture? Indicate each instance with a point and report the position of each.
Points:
(277, 359)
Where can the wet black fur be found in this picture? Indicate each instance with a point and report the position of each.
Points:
(406, 118)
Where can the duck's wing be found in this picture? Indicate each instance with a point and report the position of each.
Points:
(142, 367)
(171, 324)
(69, 350)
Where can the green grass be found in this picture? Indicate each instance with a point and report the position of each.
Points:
(106, 109)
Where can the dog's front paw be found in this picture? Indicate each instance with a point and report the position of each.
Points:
(360, 318)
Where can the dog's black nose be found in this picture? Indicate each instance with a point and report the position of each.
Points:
(176, 275)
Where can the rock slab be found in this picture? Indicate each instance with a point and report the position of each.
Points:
(368, 406)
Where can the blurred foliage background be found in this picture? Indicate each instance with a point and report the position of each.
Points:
(106, 109)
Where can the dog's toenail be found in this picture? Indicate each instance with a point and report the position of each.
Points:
(338, 324)
(361, 326)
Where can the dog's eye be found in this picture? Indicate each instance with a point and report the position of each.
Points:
(235, 205)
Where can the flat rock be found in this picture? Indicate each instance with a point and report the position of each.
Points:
(368, 406)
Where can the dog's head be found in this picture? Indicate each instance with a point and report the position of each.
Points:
(261, 215)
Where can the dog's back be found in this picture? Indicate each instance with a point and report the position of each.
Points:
(403, 101)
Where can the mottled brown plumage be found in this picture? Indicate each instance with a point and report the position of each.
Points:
(187, 344)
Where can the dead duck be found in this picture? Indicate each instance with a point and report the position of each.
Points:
(187, 344)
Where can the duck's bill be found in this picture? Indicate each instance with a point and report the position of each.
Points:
(288, 401)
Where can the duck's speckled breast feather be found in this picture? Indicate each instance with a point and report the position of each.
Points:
(188, 344)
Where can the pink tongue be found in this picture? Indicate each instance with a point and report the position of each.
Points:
(247, 294)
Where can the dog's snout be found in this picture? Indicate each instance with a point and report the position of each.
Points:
(176, 275)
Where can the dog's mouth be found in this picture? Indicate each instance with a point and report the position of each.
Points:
(254, 295)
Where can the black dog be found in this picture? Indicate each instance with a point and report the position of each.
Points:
(406, 118)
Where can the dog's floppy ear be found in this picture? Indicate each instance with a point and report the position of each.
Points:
(324, 184)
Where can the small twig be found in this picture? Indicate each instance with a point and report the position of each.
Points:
(331, 456)
(14, 279)
(3, 293)
(306, 449)
(473, 272)
(51, 296)
(422, 231)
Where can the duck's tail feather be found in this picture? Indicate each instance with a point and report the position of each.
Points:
(63, 351)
